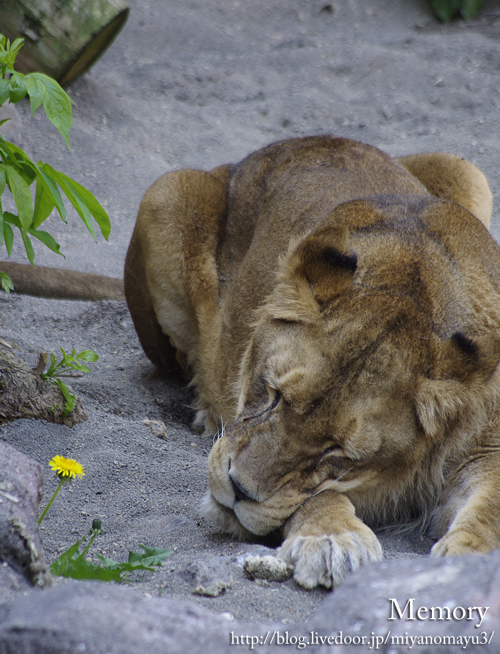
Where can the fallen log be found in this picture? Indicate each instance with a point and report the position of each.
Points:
(62, 39)
(24, 394)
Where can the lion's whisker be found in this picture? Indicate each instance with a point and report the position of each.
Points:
(219, 433)
(332, 482)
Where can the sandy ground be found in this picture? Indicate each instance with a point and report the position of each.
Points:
(197, 84)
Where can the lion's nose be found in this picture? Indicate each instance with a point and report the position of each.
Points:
(239, 492)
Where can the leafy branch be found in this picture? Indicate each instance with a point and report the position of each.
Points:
(18, 172)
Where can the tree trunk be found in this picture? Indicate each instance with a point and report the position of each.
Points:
(24, 394)
(63, 38)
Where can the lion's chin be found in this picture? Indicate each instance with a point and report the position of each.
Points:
(225, 518)
(246, 520)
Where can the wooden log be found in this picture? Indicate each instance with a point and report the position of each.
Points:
(63, 38)
(24, 394)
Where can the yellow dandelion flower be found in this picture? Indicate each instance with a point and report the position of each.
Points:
(66, 467)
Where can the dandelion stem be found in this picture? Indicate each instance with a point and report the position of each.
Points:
(50, 501)
(94, 534)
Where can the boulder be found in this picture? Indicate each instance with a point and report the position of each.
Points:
(21, 481)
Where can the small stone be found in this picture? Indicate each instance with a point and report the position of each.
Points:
(215, 589)
(267, 567)
(157, 427)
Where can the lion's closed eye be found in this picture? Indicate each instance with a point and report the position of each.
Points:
(275, 398)
(332, 451)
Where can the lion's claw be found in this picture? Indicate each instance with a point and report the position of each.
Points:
(326, 560)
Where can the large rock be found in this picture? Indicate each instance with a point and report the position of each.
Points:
(96, 618)
(369, 604)
(454, 605)
(21, 481)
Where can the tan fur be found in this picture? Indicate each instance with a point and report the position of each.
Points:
(339, 314)
(62, 284)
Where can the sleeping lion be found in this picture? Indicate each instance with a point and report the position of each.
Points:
(338, 312)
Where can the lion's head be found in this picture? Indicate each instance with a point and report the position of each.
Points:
(368, 350)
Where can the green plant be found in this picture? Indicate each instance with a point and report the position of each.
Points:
(72, 562)
(68, 364)
(446, 10)
(18, 172)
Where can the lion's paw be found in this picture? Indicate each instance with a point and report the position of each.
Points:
(326, 560)
(459, 542)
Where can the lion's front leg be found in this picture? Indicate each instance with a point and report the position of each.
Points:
(324, 541)
(468, 516)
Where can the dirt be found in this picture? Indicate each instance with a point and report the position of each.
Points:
(198, 84)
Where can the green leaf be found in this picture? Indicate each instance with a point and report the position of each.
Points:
(9, 237)
(52, 367)
(64, 389)
(29, 246)
(69, 564)
(36, 90)
(4, 91)
(44, 203)
(138, 560)
(88, 355)
(45, 174)
(73, 564)
(26, 171)
(68, 396)
(22, 195)
(150, 556)
(18, 87)
(15, 152)
(97, 211)
(446, 10)
(7, 284)
(72, 193)
(12, 219)
(57, 105)
(47, 239)
(2, 180)
(70, 405)
(8, 53)
(84, 203)
(470, 8)
(17, 159)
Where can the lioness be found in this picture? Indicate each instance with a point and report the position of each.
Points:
(338, 312)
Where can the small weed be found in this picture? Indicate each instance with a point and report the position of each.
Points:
(69, 363)
(72, 562)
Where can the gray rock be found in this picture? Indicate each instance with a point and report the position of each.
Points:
(369, 604)
(95, 618)
(451, 602)
(21, 480)
(11, 582)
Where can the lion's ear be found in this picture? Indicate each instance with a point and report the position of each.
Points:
(462, 384)
(327, 262)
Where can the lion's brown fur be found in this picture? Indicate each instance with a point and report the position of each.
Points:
(338, 312)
